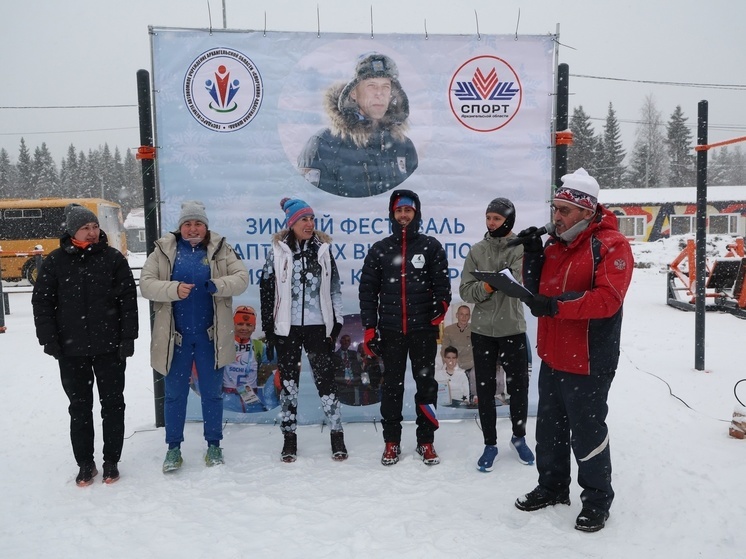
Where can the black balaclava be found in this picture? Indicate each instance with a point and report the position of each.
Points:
(505, 208)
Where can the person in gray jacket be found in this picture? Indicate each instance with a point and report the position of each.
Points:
(498, 331)
(192, 276)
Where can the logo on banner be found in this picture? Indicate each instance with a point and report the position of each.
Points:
(223, 89)
(485, 93)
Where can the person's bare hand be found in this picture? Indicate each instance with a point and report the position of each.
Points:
(184, 290)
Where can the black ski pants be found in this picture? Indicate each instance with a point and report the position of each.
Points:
(421, 347)
(319, 348)
(512, 352)
(572, 414)
(77, 375)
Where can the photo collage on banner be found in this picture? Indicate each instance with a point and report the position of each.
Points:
(245, 119)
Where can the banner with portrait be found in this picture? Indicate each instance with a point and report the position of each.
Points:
(244, 119)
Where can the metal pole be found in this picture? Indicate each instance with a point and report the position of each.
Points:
(563, 101)
(151, 210)
(3, 301)
(700, 257)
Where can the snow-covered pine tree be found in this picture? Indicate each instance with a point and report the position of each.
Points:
(583, 151)
(682, 160)
(649, 156)
(610, 167)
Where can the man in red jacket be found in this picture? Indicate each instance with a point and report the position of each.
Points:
(580, 279)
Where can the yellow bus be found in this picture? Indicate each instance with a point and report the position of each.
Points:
(31, 227)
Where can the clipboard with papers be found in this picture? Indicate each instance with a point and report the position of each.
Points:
(503, 281)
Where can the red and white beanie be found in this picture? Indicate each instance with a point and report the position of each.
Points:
(579, 189)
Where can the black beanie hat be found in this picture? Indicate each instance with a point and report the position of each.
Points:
(76, 216)
(505, 208)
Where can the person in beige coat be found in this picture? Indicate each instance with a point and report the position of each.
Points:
(192, 276)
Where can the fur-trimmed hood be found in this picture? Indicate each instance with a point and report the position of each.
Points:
(279, 237)
(347, 121)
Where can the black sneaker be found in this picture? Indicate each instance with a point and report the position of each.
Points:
(111, 473)
(289, 448)
(540, 498)
(86, 474)
(339, 451)
(591, 520)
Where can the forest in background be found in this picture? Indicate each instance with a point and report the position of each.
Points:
(662, 156)
(96, 174)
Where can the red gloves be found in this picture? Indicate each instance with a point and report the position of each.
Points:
(370, 342)
(439, 316)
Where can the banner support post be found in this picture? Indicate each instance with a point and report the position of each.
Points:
(700, 254)
(563, 100)
(151, 208)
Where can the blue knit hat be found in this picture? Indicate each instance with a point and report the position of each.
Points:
(294, 210)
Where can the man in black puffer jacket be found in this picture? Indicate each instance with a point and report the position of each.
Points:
(85, 312)
(404, 295)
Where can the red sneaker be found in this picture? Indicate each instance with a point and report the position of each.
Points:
(391, 454)
(429, 456)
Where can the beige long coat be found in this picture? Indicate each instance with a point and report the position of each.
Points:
(229, 275)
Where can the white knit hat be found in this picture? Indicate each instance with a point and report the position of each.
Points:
(579, 189)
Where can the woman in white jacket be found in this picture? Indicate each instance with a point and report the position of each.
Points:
(302, 308)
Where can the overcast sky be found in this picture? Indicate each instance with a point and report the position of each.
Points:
(87, 52)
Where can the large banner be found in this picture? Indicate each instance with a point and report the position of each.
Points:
(245, 119)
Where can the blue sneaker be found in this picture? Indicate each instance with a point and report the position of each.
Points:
(487, 460)
(525, 456)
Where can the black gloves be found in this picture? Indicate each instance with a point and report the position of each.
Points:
(270, 339)
(541, 305)
(126, 348)
(530, 239)
(336, 329)
(53, 349)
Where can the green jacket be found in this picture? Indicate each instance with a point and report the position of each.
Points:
(495, 314)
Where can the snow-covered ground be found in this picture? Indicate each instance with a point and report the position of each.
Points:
(680, 480)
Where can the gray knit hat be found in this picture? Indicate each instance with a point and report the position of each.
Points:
(76, 216)
(193, 210)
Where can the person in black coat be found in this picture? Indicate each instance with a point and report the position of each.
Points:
(85, 312)
(404, 295)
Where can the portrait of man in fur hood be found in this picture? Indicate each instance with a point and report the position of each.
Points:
(365, 150)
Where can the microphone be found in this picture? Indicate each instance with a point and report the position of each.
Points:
(527, 234)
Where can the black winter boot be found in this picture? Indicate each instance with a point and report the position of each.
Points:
(591, 520)
(111, 473)
(86, 474)
(540, 498)
(339, 451)
(290, 448)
